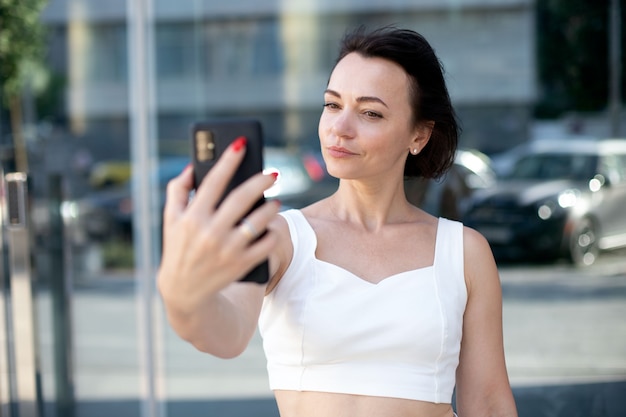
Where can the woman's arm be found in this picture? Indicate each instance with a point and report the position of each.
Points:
(205, 253)
(483, 388)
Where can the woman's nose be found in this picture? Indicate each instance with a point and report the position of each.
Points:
(343, 124)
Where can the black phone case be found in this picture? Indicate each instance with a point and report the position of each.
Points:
(209, 140)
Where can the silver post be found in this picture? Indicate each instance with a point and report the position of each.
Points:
(145, 205)
(615, 67)
(22, 303)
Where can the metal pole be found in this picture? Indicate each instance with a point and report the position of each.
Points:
(145, 202)
(615, 67)
(61, 304)
(8, 391)
(22, 305)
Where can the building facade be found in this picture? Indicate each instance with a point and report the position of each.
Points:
(271, 59)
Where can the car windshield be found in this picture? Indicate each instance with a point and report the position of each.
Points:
(555, 166)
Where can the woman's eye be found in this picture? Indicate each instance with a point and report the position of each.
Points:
(331, 105)
(373, 114)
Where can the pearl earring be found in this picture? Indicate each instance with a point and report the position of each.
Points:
(414, 151)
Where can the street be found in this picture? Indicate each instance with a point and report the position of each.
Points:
(562, 327)
(565, 325)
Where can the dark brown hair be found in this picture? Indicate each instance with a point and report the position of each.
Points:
(429, 95)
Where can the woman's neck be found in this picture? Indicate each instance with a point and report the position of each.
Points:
(370, 206)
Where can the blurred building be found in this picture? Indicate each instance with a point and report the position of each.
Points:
(271, 59)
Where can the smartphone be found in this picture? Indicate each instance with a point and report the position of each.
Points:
(209, 140)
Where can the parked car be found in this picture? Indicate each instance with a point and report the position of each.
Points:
(109, 173)
(108, 213)
(562, 198)
(448, 196)
(295, 175)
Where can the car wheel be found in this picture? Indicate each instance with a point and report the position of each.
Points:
(583, 247)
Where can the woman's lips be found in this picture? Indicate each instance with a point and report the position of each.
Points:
(339, 152)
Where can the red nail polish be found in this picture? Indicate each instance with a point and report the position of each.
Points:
(274, 174)
(239, 143)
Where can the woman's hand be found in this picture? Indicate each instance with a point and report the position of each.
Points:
(205, 248)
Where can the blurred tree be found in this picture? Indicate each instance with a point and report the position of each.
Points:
(50, 101)
(573, 55)
(21, 63)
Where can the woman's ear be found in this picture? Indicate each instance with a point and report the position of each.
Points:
(422, 136)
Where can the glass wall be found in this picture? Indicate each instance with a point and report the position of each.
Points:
(271, 61)
(125, 79)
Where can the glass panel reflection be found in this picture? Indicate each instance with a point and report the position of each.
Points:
(271, 60)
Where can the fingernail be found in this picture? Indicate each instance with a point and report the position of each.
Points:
(239, 143)
(274, 174)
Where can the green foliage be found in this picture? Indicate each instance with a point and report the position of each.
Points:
(573, 55)
(49, 101)
(22, 49)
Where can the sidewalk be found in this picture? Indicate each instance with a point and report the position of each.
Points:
(584, 400)
(565, 341)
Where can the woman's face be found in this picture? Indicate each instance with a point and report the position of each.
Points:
(366, 128)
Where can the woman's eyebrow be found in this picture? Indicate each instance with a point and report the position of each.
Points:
(359, 99)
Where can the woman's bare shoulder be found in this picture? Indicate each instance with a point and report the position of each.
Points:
(279, 226)
(280, 258)
(474, 243)
(480, 265)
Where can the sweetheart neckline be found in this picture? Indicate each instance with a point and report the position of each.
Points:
(370, 283)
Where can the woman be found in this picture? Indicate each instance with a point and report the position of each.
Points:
(374, 307)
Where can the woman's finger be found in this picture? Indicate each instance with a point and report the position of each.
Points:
(241, 200)
(255, 224)
(258, 251)
(214, 184)
(248, 250)
(177, 194)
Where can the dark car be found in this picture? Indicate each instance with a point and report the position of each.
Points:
(108, 213)
(448, 196)
(562, 198)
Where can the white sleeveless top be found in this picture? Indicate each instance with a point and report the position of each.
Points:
(325, 329)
